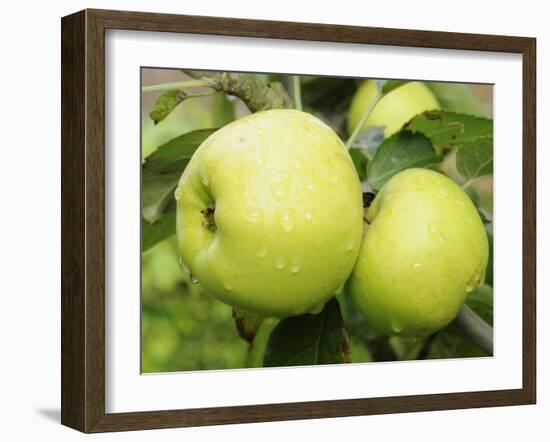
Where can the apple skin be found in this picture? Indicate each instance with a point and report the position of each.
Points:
(287, 214)
(393, 110)
(423, 252)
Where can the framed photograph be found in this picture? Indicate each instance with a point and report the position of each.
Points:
(267, 221)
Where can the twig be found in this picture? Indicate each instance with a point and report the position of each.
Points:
(256, 94)
(176, 85)
(359, 125)
(475, 329)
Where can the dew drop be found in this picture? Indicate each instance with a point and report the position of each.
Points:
(261, 252)
(254, 215)
(204, 178)
(334, 178)
(280, 263)
(416, 265)
(295, 267)
(279, 190)
(396, 326)
(469, 287)
(286, 219)
(227, 286)
(193, 278)
(182, 264)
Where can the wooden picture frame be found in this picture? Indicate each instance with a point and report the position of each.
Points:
(83, 220)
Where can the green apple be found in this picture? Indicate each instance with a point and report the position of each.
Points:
(393, 110)
(269, 214)
(424, 250)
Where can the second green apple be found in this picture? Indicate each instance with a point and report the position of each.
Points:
(393, 110)
(424, 250)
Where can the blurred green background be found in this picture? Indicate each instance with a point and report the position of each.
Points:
(183, 328)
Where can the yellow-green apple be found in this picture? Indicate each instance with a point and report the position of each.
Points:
(424, 249)
(394, 109)
(269, 214)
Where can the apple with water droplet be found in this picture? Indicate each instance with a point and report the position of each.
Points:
(424, 250)
(269, 214)
(394, 109)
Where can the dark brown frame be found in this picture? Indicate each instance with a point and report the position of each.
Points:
(83, 215)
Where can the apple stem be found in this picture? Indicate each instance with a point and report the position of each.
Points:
(359, 125)
(297, 92)
(176, 85)
(475, 328)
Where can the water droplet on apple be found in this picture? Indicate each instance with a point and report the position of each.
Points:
(349, 246)
(193, 278)
(308, 216)
(295, 267)
(227, 286)
(416, 265)
(396, 326)
(460, 202)
(334, 178)
(254, 215)
(279, 190)
(261, 252)
(433, 229)
(286, 218)
(469, 287)
(204, 178)
(182, 265)
(280, 262)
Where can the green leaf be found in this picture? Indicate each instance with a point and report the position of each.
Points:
(474, 160)
(401, 151)
(168, 101)
(360, 162)
(455, 97)
(161, 229)
(162, 169)
(309, 339)
(473, 136)
(449, 129)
